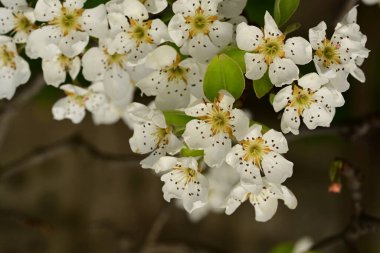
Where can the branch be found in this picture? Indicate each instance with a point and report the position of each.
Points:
(13, 107)
(47, 152)
(361, 223)
(350, 130)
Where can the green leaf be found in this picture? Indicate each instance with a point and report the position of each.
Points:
(262, 86)
(283, 248)
(237, 55)
(223, 73)
(186, 152)
(284, 10)
(177, 119)
(255, 10)
(271, 98)
(291, 28)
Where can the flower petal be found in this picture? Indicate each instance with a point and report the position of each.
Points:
(197, 134)
(276, 168)
(298, 50)
(94, 21)
(283, 71)
(282, 98)
(256, 66)
(276, 141)
(248, 38)
(290, 121)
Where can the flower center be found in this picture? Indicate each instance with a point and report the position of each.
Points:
(23, 24)
(115, 59)
(176, 72)
(200, 23)
(162, 135)
(302, 99)
(219, 120)
(255, 150)
(272, 48)
(65, 61)
(139, 32)
(329, 53)
(68, 20)
(7, 57)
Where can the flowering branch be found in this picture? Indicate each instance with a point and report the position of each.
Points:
(361, 223)
(350, 130)
(44, 153)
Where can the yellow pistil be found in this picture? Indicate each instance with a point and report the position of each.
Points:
(188, 175)
(23, 24)
(80, 100)
(302, 99)
(162, 135)
(254, 150)
(139, 32)
(272, 48)
(200, 23)
(176, 72)
(219, 119)
(7, 57)
(329, 53)
(65, 62)
(68, 20)
(115, 59)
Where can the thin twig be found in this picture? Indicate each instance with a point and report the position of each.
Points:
(11, 109)
(44, 153)
(350, 130)
(361, 223)
(155, 230)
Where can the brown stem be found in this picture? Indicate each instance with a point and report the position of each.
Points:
(44, 153)
(11, 109)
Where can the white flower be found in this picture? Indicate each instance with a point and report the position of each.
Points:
(221, 181)
(109, 113)
(265, 201)
(110, 68)
(258, 154)
(74, 105)
(173, 80)
(231, 8)
(55, 69)
(197, 28)
(307, 99)
(17, 18)
(14, 70)
(183, 180)
(68, 30)
(334, 58)
(214, 127)
(348, 28)
(134, 33)
(371, 2)
(270, 50)
(152, 6)
(151, 135)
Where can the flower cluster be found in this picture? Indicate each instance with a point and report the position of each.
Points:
(209, 154)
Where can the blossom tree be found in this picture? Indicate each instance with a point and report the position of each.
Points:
(194, 59)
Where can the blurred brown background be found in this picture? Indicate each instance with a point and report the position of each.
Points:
(75, 203)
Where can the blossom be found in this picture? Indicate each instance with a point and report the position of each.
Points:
(198, 29)
(221, 180)
(134, 33)
(77, 100)
(271, 50)
(371, 2)
(334, 58)
(256, 154)
(348, 28)
(14, 70)
(309, 98)
(56, 68)
(18, 19)
(152, 6)
(151, 134)
(110, 68)
(183, 180)
(231, 8)
(265, 201)
(173, 80)
(68, 30)
(215, 124)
